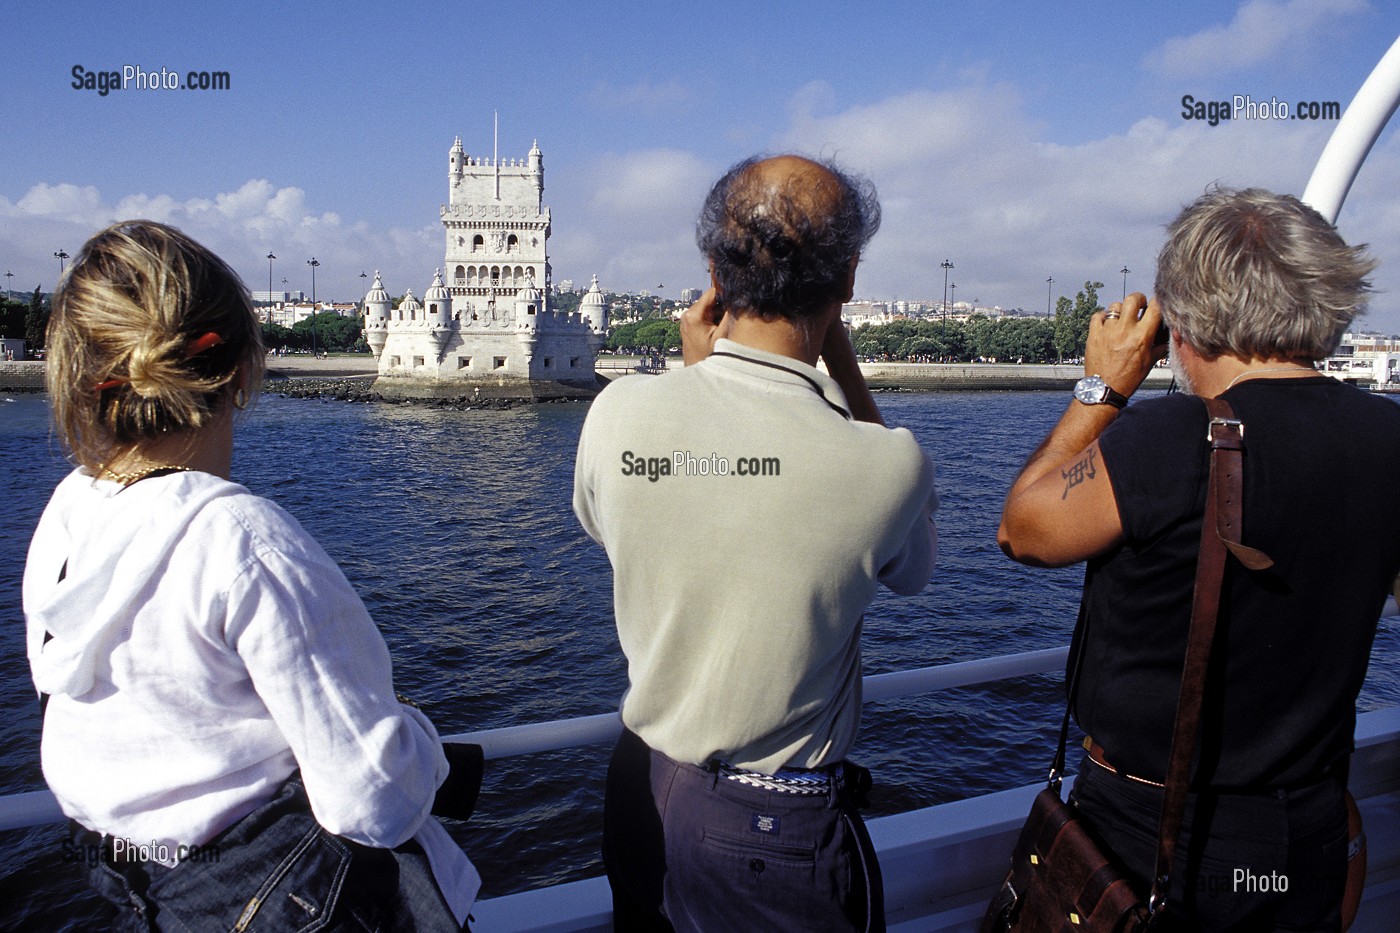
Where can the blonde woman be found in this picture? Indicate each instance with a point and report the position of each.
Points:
(220, 717)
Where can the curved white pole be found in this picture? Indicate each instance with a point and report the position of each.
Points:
(1354, 136)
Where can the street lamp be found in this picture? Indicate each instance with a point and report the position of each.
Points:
(945, 265)
(60, 256)
(270, 257)
(1049, 284)
(954, 287)
(313, 264)
(8, 276)
(1125, 270)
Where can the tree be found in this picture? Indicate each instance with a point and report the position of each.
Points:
(12, 315)
(327, 331)
(1064, 328)
(275, 335)
(1085, 304)
(36, 322)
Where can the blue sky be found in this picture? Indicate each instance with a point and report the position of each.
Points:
(1019, 140)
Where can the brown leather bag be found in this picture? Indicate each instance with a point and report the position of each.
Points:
(1061, 880)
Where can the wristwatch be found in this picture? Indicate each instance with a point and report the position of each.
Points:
(1092, 390)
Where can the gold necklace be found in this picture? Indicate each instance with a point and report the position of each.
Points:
(1272, 369)
(126, 479)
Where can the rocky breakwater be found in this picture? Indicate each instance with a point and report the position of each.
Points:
(361, 389)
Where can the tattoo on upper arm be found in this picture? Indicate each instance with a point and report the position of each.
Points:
(1078, 472)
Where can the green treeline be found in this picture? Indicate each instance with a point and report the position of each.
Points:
(1004, 340)
(654, 336)
(979, 338)
(326, 331)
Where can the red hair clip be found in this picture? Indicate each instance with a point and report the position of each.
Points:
(201, 343)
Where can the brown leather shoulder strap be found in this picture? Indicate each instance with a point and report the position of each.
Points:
(1221, 528)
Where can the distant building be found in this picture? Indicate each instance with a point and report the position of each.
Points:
(858, 314)
(690, 295)
(484, 325)
(1365, 358)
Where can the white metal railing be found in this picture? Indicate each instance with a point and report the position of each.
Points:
(33, 808)
(588, 730)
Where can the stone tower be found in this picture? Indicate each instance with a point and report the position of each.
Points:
(485, 325)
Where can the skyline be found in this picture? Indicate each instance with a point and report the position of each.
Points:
(1019, 144)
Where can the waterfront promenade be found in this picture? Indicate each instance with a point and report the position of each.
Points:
(29, 376)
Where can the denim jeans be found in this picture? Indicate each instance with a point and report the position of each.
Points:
(276, 869)
(688, 850)
(1272, 860)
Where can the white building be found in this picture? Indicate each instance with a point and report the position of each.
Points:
(1365, 358)
(858, 314)
(485, 324)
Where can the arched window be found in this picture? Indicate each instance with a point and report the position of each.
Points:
(478, 243)
(495, 274)
(461, 275)
(512, 243)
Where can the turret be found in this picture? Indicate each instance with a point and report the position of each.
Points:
(537, 164)
(377, 305)
(456, 160)
(594, 308)
(410, 311)
(438, 302)
(529, 308)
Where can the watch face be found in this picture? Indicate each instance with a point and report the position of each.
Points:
(1091, 390)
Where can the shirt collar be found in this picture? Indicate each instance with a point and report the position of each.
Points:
(774, 367)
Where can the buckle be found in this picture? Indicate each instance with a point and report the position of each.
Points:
(1235, 423)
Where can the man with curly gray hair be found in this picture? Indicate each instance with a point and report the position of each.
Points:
(1255, 289)
(751, 504)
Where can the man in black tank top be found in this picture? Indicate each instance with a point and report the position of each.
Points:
(1255, 288)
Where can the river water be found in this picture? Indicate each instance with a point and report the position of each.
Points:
(456, 529)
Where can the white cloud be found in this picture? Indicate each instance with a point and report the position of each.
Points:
(240, 225)
(63, 201)
(636, 227)
(964, 174)
(644, 96)
(1262, 30)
